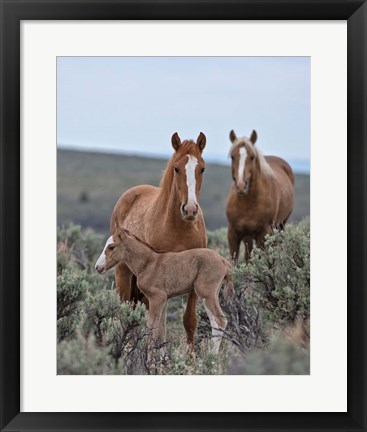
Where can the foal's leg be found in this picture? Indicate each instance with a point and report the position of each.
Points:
(234, 242)
(123, 277)
(208, 290)
(162, 332)
(157, 303)
(189, 318)
(217, 319)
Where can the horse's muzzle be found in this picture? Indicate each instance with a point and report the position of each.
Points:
(100, 269)
(189, 211)
(242, 192)
(242, 187)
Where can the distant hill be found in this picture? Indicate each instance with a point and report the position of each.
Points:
(89, 184)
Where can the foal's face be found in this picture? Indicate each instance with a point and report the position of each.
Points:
(244, 162)
(188, 177)
(110, 256)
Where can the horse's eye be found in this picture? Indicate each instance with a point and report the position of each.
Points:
(202, 170)
(232, 157)
(176, 170)
(252, 157)
(111, 247)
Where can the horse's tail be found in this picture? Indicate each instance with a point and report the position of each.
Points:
(228, 284)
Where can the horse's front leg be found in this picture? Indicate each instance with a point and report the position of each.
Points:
(189, 318)
(260, 236)
(234, 242)
(248, 241)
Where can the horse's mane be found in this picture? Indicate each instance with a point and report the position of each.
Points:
(129, 233)
(265, 168)
(188, 147)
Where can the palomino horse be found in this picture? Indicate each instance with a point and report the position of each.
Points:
(261, 196)
(161, 276)
(167, 217)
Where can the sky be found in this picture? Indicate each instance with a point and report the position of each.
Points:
(135, 104)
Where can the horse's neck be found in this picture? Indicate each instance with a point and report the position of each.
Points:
(259, 186)
(166, 223)
(136, 255)
(173, 207)
(259, 182)
(168, 208)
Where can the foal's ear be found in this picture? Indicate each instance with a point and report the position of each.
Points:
(121, 233)
(176, 141)
(232, 136)
(253, 137)
(201, 141)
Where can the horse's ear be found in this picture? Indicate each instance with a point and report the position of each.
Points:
(176, 141)
(232, 136)
(117, 227)
(121, 233)
(253, 137)
(201, 141)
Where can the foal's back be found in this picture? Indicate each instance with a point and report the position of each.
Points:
(177, 272)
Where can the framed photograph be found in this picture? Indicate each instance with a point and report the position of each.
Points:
(182, 215)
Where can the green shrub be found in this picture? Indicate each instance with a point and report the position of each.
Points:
(99, 309)
(217, 240)
(277, 279)
(281, 358)
(84, 196)
(81, 356)
(126, 329)
(71, 291)
(244, 327)
(84, 246)
(65, 258)
(98, 283)
(99, 335)
(205, 362)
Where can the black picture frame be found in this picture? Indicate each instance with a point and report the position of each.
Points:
(12, 12)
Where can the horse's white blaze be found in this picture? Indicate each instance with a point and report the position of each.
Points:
(190, 179)
(102, 258)
(241, 165)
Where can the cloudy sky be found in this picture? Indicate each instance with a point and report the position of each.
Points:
(135, 104)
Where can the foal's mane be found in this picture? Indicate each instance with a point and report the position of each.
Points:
(188, 147)
(265, 168)
(129, 233)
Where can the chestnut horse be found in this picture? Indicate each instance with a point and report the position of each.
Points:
(261, 196)
(162, 276)
(167, 217)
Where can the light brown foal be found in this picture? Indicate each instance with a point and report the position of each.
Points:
(161, 276)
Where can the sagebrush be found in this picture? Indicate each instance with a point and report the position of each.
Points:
(99, 335)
